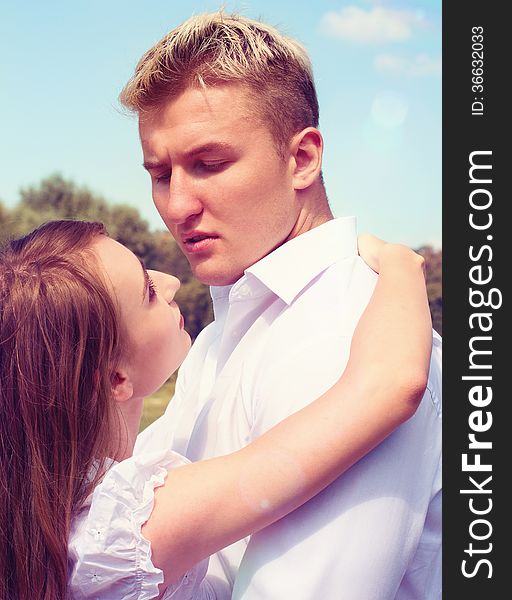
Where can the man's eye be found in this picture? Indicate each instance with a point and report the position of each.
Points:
(211, 166)
(163, 178)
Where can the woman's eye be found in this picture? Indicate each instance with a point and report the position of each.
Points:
(151, 289)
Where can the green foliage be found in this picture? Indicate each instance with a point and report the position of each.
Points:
(434, 270)
(195, 304)
(4, 218)
(54, 195)
(155, 405)
(126, 226)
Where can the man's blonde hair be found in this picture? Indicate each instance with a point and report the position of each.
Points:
(213, 49)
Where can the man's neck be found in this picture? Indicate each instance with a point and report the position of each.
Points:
(315, 212)
(306, 224)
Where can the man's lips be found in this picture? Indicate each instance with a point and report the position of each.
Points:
(198, 241)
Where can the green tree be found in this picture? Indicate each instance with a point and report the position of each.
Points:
(22, 219)
(434, 271)
(125, 224)
(53, 198)
(195, 303)
(64, 199)
(4, 223)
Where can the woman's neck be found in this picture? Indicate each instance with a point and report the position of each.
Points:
(130, 413)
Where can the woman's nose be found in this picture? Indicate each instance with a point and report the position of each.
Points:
(166, 285)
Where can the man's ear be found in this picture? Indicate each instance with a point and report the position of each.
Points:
(122, 387)
(306, 148)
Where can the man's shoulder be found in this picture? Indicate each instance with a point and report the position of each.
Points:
(339, 294)
(313, 333)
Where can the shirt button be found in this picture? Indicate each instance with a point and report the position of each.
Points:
(244, 290)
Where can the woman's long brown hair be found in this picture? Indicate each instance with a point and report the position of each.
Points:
(59, 342)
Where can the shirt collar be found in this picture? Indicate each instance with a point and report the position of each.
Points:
(290, 268)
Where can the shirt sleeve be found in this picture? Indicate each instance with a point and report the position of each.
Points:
(110, 556)
(356, 539)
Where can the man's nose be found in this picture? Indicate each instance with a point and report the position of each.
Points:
(182, 203)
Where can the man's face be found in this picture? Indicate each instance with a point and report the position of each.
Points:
(217, 181)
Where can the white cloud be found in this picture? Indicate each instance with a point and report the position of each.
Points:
(373, 26)
(419, 66)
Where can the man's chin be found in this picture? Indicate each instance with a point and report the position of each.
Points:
(215, 275)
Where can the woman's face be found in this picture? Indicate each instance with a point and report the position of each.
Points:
(157, 342)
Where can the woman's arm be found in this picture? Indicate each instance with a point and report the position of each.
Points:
(208, 505)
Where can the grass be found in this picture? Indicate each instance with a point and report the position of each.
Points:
(155, 405)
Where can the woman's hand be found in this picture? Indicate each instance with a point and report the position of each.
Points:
(374, 251)
(369, 248)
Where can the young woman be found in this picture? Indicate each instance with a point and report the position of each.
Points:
(85, 333)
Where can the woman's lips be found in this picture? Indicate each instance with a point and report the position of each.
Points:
(182, 322)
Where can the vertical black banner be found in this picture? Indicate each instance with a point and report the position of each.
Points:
(476, 323)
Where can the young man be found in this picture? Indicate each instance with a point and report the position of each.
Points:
(228, 123)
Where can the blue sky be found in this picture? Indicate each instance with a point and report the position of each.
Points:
(377, 68)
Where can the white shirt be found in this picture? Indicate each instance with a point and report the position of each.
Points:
(108, 557)
(281, 338)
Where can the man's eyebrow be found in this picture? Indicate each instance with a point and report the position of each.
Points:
(152, 164)
(146, 280)
(210, 147)
(203, 149)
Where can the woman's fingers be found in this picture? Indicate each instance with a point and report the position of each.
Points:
(370, 248)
